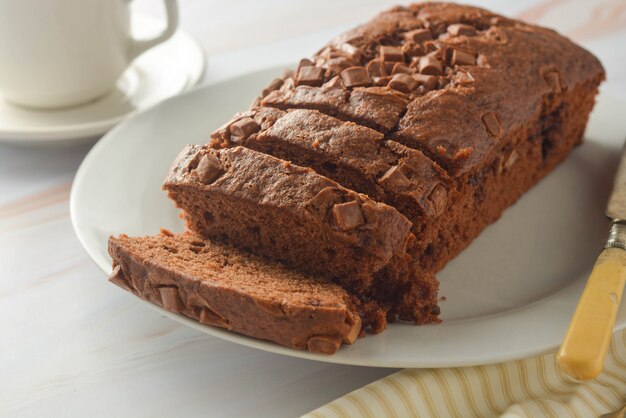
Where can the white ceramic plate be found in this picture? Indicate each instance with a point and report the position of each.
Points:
(509, 295)
(161, 72)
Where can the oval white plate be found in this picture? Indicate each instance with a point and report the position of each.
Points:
(509, 295)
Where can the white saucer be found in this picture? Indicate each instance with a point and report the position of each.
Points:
(164, 71)
(510, 295)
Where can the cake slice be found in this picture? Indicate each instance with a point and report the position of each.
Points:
(220, 286)
(358, 157)
(288, 213)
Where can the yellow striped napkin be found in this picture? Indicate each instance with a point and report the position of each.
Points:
(533, 387)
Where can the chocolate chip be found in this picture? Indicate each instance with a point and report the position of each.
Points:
(209, 317)
(274, 85)
(418, 35)
(310, 76)
(430, 65)
(389, 66)
(242, 129)
(118, 278)
(413, 50)
(382, 81)
(288, 84)
(438, 198)
(400, 68)
(350, 50)
(335, 66)
(492, 124)
(170, 299)
(334, 83)
(403, 82)
(305, 62)
(376, 68)
(322, 201)
(391, 53)
(500, 21)
(166, 232)
(348, 215)
(394, 177)
(459, 29)
(460, 57)
(510, 160)
(355, 77)
(355, 329)
(554, 81)
(464, 78)
(425, 80)
(323, 344)
(208, 169)
(482, 60)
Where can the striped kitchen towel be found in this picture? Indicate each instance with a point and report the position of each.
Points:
(532, 387)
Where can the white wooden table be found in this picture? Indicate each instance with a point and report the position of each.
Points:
(72, 345)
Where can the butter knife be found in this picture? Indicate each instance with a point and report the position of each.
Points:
(587, 340)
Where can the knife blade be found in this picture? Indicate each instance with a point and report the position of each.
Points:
(616, 208)
(587, 339)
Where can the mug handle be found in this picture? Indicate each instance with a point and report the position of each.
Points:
(139, 46)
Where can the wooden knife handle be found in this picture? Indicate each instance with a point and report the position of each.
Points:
(589, 334)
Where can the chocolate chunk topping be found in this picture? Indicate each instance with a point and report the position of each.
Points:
(208, 169)
(400, 68)
(274, 85)
(391, 53)
(395, 178)
(458, 29)
(438, 198)
(348, 215)
(305, 62)
(460, 57)
(554, 81)
(117, 278)
(323, 344)
(335, 83)
(376, 68)
(170, 299)
(382, 81)
(464, 78)
(413, 50)
(425, 80)
(430, 65)
(207, 316)
(418, 35)
(335, 66)
(355, 329)
(492, 124)
(510, 160)
(349, 50)
(403, 82)
(243, 128)
(482, 60)
(355, 77)
(310, 76)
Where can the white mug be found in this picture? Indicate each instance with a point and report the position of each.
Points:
(58, 53)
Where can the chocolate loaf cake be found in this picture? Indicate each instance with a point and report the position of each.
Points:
(493, 103)
(221, 286)
(375, 162)
(292, 214)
